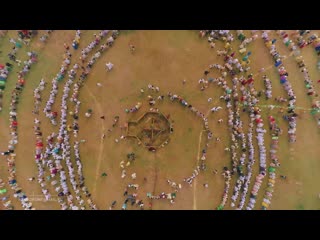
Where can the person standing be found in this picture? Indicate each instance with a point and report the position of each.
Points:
(132, 48)
(109, 66)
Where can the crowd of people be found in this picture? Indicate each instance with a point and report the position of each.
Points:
(4, 72)
(48, 109)
(10, 153)
(39, 157)
(274, 164)
(24, 36)
(5, 69)
(60, 151)
(54, 155)
(284, 82)
(301, 42)
(249, 100)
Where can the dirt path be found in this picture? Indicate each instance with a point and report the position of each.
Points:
(155, 182)
(101, 145)
(198, 156)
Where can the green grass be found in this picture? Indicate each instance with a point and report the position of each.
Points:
(300, 207)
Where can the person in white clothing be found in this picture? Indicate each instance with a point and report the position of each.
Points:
(109, 66)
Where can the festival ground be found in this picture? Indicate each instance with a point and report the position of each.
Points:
(163, 59)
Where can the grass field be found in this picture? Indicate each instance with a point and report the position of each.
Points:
(163, 59)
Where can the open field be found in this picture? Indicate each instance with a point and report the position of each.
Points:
(172, 61)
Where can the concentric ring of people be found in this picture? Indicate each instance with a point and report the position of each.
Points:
(242, 108)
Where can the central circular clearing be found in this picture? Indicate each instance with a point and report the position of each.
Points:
(152, 130)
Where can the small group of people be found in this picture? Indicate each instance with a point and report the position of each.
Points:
(170, 196)
(76, 41)
(195, 173)
(45, 36)
(133, 198)
(4, 72)
(268, 86)
(26, 35)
